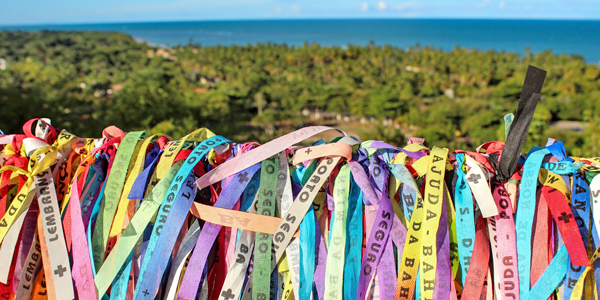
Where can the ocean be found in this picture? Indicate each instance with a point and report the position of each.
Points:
(560, 36)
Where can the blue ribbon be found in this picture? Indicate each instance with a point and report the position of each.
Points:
(465, 225)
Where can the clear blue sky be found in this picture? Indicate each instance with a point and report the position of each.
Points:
(100, 11)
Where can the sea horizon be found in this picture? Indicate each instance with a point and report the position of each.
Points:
(561, 36)
(298, 19)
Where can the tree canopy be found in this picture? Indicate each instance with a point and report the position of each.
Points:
(85, 81)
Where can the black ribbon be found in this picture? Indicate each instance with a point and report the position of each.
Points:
(530, 95)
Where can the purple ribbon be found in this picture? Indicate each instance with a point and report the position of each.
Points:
(443, 272)
(208, 235)
(382, 145)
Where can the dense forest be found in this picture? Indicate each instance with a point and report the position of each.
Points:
(85, 81)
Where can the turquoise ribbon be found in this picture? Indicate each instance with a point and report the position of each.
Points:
(150, 285)
(552, 277)
(118, 290)
(307, 245)
(354, 245)
(524, 217)
(465, 225)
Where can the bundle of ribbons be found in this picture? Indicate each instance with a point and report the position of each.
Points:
(132, 216)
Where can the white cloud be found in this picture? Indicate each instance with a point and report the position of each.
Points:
(501, 4)
(382, 5)
(405, 6)
(278, 10)
(364, 6)
(295, 8)
(484, 3)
